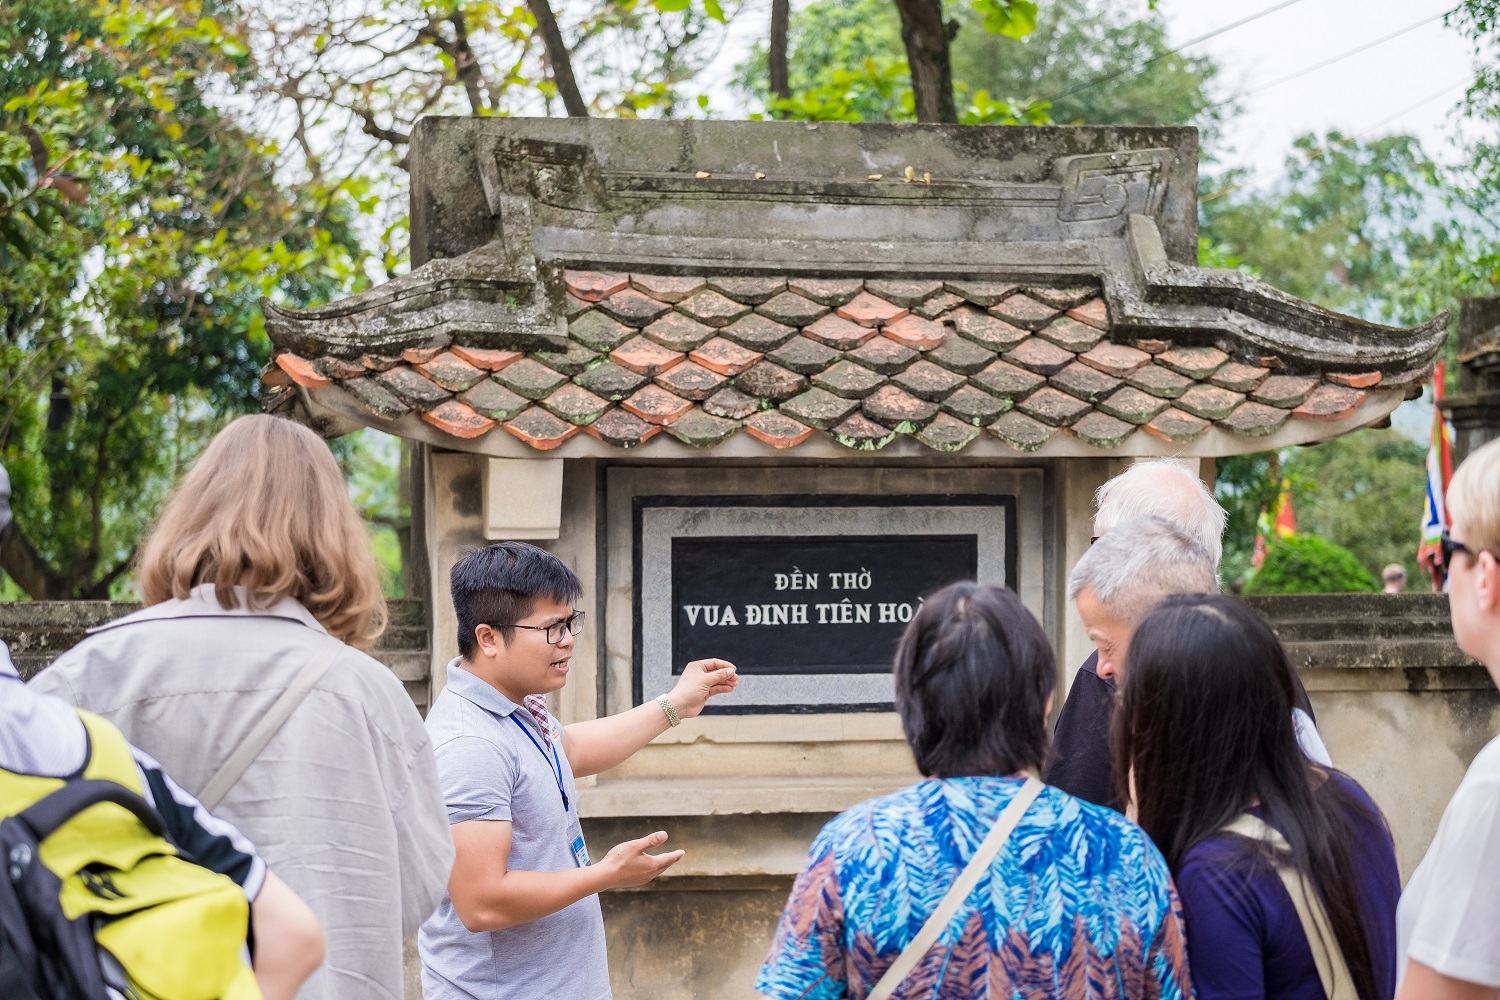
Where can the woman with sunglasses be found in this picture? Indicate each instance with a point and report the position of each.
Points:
(1449, 920)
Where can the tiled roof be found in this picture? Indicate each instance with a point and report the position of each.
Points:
(863, 362)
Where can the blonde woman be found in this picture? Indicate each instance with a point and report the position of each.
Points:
(259, 580)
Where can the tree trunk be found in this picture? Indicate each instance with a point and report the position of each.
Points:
(926, 36)
(781, 85)
(23, 565)
(558, 59)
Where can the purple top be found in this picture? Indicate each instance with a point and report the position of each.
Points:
(1244, 938)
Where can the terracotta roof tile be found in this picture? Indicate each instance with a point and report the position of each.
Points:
(751, 291)
(622, 429)
(1088, 384)
(803, 354)
(1052, 406)
(1118, 360)
(938, 304)
(1209, 401)
(960, 355)
(725, 356)
(677, 332)
(947, 433)
(1411, 377)
(1093, 312)
(575, 404)
(632, 308)
(1330, 402)
(573, 361)
(493, 400)
(1361, 380)
(898, 409)
(656, 405)
(489, 360)
(1194, 362)
(974, 405)
(827, 291)
(870, 310)
(1101, 430)
(1285, 391)
(883, 355)
(791, 308)
(595, 330)
(915, 332)
(529, 378)
(777, 429)
(338, 369)
(1024, 311)
(1020, 431)
(839, 333)
(573, 305)
(702, 430)
(1159, 381)
(421, 355)
(759, 333)
(540, 429)
(1071, 335)
(645, 356)
(1068, 297)
(610, 380)
(1238, 377)
(1132, 405)
(708, 306)
(451, 372)
(374, 395)
(1040, 356)
(302, 371)
(862, 434)
(769, 380)
(1176, 426)
(981, 293)
(928, 381)
(1006, 380)
(378, 362)
(591, 286)
(691, 380)
(458, 420)
(420, 392)
(1153, 346)
(819, 408)
(987, 331)
(1256, 419)
(731, 404)
(273, 377)
(666, 288)
(849, 380)
(906, 294)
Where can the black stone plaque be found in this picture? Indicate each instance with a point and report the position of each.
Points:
(806, 605)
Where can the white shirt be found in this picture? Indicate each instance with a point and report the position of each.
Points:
(1449, 917)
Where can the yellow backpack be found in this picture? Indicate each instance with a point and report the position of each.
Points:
(94, 897)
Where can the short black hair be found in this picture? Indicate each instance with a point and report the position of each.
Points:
(973, 673)
(499, 584)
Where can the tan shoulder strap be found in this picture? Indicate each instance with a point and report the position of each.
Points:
(1338, 984)
(958, 892)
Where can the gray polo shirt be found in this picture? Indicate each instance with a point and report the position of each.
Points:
(494, 769)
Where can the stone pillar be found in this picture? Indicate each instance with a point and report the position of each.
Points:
(1475, 409)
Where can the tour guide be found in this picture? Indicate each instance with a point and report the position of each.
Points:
(521, 918)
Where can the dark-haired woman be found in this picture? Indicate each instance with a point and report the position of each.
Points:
(1075, 902)
(1264, 843)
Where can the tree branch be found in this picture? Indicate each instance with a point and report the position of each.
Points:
(558, 59)
(926, 37)
(22, 563)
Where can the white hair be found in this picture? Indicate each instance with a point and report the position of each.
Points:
(1140, 562)
(1169, 489)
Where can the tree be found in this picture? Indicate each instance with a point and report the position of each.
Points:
(1307, 564)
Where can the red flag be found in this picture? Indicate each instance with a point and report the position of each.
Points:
(1439, 474)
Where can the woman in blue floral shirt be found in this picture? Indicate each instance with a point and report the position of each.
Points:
(1077, 904)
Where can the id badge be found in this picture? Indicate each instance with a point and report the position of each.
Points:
(580, 849)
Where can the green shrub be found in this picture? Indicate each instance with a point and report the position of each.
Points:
(1307, 564)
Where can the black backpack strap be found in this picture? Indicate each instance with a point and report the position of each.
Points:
(46, 815)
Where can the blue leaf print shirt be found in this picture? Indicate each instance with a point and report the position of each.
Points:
(1078, 904)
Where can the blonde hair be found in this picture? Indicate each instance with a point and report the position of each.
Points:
(1474, 498)
(265, 508)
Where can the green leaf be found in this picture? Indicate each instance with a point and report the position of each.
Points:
(713, 9)
(671, 6)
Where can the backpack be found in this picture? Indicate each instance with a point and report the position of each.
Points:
(96, 903)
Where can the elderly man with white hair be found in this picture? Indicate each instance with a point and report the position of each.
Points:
(1157, 533)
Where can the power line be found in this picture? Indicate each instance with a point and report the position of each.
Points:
(1172, 52)
(1412, 107)
(1352, 52)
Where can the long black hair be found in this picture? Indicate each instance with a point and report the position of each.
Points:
(1205, 723)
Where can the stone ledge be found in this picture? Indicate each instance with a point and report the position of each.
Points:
(730, 795)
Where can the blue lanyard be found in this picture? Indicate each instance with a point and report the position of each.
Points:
(555, 764)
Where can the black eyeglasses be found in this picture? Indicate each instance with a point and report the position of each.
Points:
(1450, 545)
(573, 624)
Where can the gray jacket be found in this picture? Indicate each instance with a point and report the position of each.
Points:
(344, 803)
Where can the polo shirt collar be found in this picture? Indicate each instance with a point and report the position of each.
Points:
(202, 602)
(478, 692)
